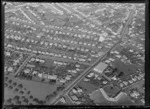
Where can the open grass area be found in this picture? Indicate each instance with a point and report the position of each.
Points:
(100, 100)
(128, 69)
(37, 89)
(111, 91)
(87, 87)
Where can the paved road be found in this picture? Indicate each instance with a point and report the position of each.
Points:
(74, 11)
(134, 84)
(19, 6)
(80, 77)
(23, 64)
(49, 57)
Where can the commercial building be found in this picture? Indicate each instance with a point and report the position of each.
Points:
(100, 67)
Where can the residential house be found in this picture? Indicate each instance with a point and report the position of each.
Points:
(10, 69)
(62, 80)
(27, 71)
(74, 98)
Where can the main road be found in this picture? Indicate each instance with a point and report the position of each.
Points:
(80, 77)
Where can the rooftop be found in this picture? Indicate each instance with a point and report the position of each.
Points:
(100, 67)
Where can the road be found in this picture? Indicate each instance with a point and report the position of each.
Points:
(23, 64)
(74, 11)
(50, 57)
(19, 6)
(80, 77)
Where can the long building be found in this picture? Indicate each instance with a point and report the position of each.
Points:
(100, 67)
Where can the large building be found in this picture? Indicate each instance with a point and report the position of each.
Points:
(100, 67)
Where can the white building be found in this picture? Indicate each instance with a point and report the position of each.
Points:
(100, 67)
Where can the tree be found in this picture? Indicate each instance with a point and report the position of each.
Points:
(5, 84)
(120, 74)
(21, 92)
(9, 100)
(20, 86)
(47, 98)
(54, 93)
(28, 92)
(31, 97)
(26, 101)
(16, 98)
(16, 90)
(18, 103)
(10, 87)
(10, 81)
(36, 100)
(14, 83)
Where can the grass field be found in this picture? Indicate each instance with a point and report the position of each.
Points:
(100, 100)
(38, 90)
(87, 87)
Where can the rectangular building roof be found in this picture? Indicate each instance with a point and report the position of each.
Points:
(100, 67)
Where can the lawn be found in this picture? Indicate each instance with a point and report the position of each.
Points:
(111, 91)
(88, 87)
(122, 67)
(38, 89)
(100, 100)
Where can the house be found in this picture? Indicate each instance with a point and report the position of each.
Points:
(67, 78)
(63, 100)
(121, 84)
(40, 75)
(45, 76)
(101, 39)
(85, 79)
(107, 61)
(27, 71)
(104, 82)
(53, 77)
(125, 83)
(7, 53)
(77, 65)
(134, 79)
(79, 90)
(74, 71)
(30, 65)
(34, 72)
(100, 67)
(111, 59)
(74, 90)
(130, 81)
(74, 98)
(10, 69)
(62, 80)
(118, 56)
(77, 102)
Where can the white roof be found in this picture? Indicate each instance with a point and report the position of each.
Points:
(74, 97)
(40, 75)
(34, 72)
(52, 76)
(100, 67)
(10, 69)
(74, 91)
(62, 80)
(26, 70)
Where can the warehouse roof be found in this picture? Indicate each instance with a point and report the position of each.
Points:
(100, 67)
